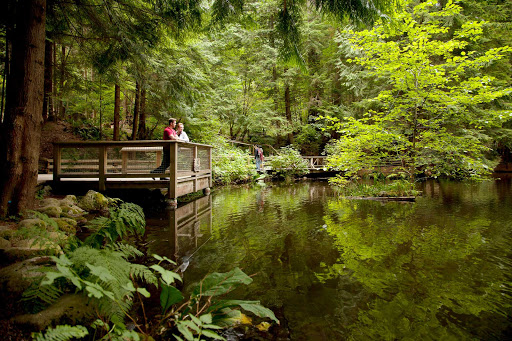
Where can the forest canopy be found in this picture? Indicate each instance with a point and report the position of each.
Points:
(426, 83)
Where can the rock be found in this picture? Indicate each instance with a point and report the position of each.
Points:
(50, 202)
(51, 210)
(4, 243)
(37, 244)
(93, 201)
(33, 223)
(67, 225)
(69, 200)
(17, 277)
(72, 211)
(69, 309)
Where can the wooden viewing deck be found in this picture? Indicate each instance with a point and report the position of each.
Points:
(133, 164)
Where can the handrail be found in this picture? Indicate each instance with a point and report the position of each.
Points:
(183, 168)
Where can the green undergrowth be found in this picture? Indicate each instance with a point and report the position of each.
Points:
(376, 188)
(117, 279)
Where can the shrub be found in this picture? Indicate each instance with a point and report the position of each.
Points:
(289, 163)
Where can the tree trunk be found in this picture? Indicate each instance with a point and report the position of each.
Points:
(62, 110)
(288, 110)
(142, 120)
(48, 82)
(136, 111)
(21, 129)
(117, 101)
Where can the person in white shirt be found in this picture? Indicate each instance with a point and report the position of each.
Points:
(181, 132)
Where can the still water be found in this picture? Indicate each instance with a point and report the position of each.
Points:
(337, 269)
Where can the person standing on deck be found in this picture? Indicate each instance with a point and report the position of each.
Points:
(258, 157)
(180, 131)
(169, 134)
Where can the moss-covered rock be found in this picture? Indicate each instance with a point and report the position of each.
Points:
(33, 223)
(71, 211)
(69, 200)
(93, 201)
(50, 202)
(16, 278)
(4, 243)
(51, 210)
(67, 225)
(69, 309)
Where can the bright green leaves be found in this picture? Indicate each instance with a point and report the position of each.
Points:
(437, 86)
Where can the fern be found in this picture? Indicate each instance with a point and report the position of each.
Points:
(105, 275)
(40, 296)
(127, 250)
(124, 219)
(61, 333)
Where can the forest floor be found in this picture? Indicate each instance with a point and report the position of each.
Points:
(53, 132)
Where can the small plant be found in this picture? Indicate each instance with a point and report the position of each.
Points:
(232, 165)
(289, 163)
(378, 188)
(124, 219)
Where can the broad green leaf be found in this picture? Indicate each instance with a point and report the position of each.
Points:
(211, 334)
(221, 283)
(169, 296)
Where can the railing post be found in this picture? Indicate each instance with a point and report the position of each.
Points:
(173, 168)
(102, 168)
(57, 158)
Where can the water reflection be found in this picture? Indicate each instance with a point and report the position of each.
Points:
(336, 269)
(177, 234)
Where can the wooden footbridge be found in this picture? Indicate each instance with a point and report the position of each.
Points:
(104, 165)
(135, 164)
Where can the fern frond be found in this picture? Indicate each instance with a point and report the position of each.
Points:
(143, 273)
(61, 333)
(127, 250)
(46, 294)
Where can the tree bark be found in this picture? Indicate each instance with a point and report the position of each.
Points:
(48, 81)
(62, 110)
(117, 102)
(136, 111)
(21, 130)
(142, 119)
(288, 110)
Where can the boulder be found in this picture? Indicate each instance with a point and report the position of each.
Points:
(71, 211)
(50, 210)
(4, 243)
(67, 225)
(33, 223)
(93, 201)
(50, 202)
(69, 200)
(69, 309)
(17, 277)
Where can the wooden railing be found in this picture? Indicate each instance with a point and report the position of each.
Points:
(125, 164)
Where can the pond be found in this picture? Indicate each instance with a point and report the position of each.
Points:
(336, 269)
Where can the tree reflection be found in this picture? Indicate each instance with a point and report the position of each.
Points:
(423, 277)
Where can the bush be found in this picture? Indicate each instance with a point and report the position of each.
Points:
(289, 163)
(232, 165)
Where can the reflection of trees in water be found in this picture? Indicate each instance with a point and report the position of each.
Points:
(427, 279)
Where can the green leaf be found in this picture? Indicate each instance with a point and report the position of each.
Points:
(167, 276)
(143, 292)
(221, 283)
(169, 296)
(100, 271)
(211, 334)
(185, 331)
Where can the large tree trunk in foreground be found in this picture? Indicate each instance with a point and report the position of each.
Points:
(117, 102)
(21, 130)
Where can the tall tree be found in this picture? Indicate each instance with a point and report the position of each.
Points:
(21, 128)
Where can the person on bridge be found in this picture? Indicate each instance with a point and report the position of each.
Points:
(180, 131)
(169, 134)
(258, 157)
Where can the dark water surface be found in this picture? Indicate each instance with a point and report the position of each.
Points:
(335, 269)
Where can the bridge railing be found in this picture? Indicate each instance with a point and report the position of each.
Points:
(129, 160)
